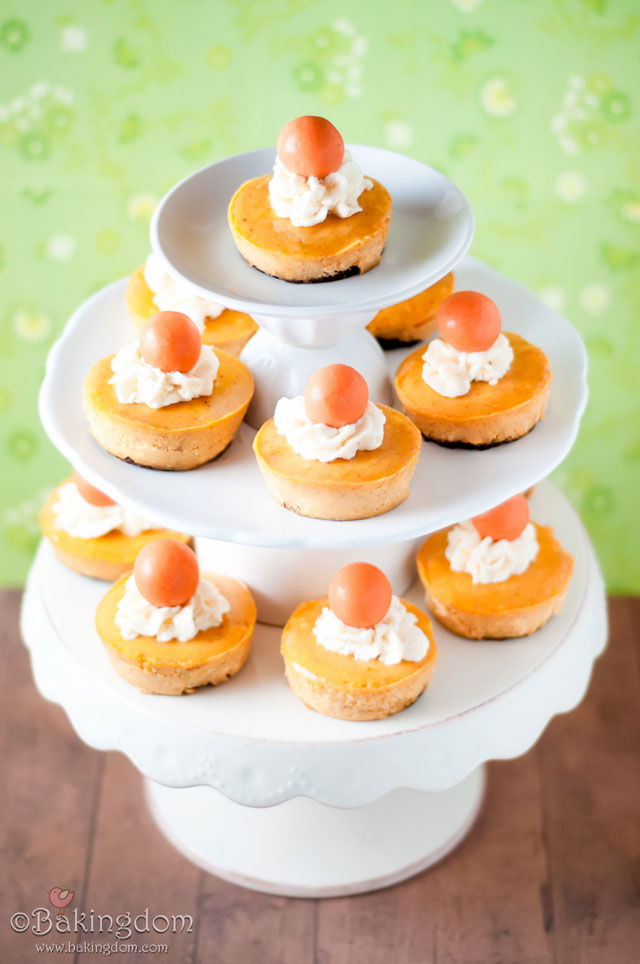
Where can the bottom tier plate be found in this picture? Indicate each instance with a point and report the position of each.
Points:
(255, 742)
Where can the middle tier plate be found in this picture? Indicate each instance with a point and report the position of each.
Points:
(228, 500)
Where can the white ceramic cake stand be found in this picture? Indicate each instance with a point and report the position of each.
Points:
(244, 779)
(247, 782)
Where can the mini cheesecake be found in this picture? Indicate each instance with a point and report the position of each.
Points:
(180, 436)
(369, 484)
(487, 414)
(231, 330)
(105, 557)
(171, 668)
(517, 606)
(343, 686)
(335, 248)
(412, 320)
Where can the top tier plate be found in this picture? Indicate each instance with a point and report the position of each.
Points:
(431, 229)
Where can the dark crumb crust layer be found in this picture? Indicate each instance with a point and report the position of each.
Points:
(349, 273)
(390, 344)
(475, 448)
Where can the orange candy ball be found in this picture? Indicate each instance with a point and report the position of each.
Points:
(166, 572)
(336, 395)
(469, 321)
(506, 521)
(310, 146)
(171, 342)
(360, 595)
(89, 492)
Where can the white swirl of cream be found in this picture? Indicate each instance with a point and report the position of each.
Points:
(308, 200)
(487, 561)
(317, 442)
(395, 638)
(77, 517)
(135, 380)
(135, 616)
(173, 294)
(450, 372)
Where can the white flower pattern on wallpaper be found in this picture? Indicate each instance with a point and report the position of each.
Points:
(496, 97)
(60, 247)
(631, 211)
(467, 6)
(20, 522)
(73, 38)
(399, 134)
(334, 67)
(141, 207)
(553, 296)
(594, 298)
(571, 186)
(31, 325)
(587, 103)
(34, 121)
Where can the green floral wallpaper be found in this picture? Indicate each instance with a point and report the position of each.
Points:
(532, 106)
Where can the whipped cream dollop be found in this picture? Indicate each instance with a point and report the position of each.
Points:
(135, 380)
(450, 372)
(487, 561)
(80, 519)
(172, 294)
(394, 638)
(135, 616)
(308, 200)
(317, 442)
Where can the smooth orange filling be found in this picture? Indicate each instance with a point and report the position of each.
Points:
(111, 547)
(414, 311)
(229, 326)
(546, 577)
(400, 444)
(528, 375)
(299, 646)
(251, 216)
(208, 646)
(232, 391)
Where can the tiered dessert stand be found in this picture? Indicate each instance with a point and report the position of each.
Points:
(243, 779)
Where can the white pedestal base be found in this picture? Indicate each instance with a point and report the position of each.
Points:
(306, 849)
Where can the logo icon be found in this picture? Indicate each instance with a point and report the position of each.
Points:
(60, 898)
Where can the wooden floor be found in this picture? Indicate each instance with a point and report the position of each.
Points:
(550, 873)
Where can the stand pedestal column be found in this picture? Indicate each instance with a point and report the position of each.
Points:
(281, 368)
(278, 581)
(302, 848)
